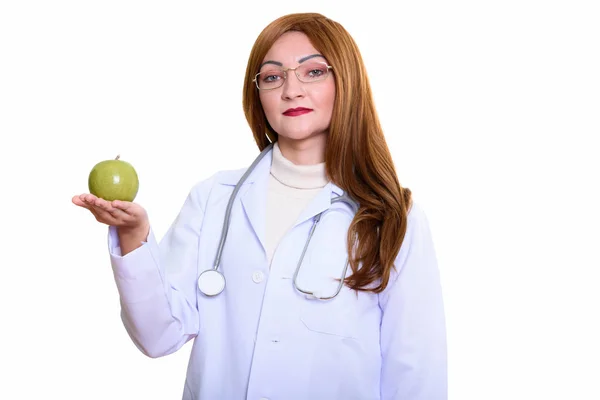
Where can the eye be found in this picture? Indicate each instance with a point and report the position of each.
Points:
(314, 71)
(271, 76)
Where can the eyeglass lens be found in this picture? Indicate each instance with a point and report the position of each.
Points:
(272, 77)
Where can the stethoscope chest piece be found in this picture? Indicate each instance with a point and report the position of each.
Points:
(211, 282)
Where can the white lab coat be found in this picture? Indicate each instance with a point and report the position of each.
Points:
(261, 338)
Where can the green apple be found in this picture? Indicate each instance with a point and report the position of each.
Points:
(114, 180)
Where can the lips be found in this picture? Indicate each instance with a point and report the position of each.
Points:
(293, 112)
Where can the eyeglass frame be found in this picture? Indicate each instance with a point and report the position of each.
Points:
(285, 76)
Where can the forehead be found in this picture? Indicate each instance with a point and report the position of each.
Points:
(290, 49)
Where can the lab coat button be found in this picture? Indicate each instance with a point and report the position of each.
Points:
(258, 276)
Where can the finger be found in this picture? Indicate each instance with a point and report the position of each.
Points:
(108, 213)
(78, 201)
(84, 199)
(102, 204)
(122, 205)
(89, 200)
(87, 197)
(105, 217)
(84, 204)
(119, 215)
(131, 211)
(100, 208)
(95, 213)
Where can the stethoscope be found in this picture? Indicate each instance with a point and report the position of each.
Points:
(212, 282)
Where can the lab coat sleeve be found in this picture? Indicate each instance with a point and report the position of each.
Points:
(157, 281)
(413, 327)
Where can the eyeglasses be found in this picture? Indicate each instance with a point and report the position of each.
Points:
(273, 77)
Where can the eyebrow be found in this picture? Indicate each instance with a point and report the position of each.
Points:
(299, 61)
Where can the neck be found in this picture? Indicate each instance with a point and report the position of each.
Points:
(296, 176)
(309, 151)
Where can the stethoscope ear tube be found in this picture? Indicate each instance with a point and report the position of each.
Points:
(230, 205)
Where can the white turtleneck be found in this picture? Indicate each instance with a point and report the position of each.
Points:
(291, 188)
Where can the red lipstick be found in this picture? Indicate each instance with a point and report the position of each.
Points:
(294, 112)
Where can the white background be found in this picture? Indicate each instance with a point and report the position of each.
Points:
(491, 111)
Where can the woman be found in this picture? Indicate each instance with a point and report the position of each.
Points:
(275, 327)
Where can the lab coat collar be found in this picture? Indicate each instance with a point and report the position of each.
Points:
(253, 195)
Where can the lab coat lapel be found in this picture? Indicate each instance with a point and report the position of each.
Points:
(254, 198)
(320, 203)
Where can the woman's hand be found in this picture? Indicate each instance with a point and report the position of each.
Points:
(125, 215)
(131, 219)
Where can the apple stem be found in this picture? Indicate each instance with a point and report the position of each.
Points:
(118, 156)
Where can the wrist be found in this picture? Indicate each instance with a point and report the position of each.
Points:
(137, 232)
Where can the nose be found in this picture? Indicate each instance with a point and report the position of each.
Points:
(292, 87)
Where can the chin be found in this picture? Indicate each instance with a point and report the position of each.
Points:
(299, 135)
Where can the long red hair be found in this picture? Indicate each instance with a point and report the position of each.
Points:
(357, 157)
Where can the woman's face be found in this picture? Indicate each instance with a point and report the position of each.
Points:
(316, 99)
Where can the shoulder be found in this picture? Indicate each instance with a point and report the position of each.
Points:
(416, 222)
(202, 189)
(417, 218)
(224, 177)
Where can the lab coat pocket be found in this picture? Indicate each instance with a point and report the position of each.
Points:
(324, 266)
(335, 316)
(331, 317)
